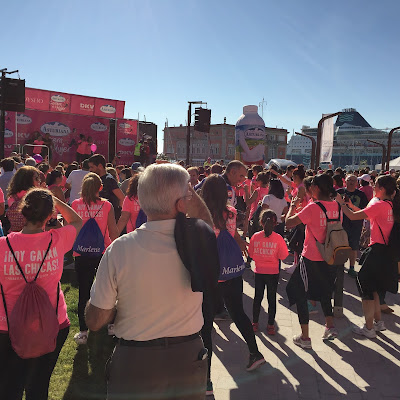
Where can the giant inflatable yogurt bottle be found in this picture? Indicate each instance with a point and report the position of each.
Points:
(250, 137)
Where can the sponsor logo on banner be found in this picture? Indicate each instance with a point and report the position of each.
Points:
(107, 109)
(85, 106)
(8, 133)
(23, 119)
(126, 142)
(124, 125)
(36, 100)
(58, 98)
(98, 127)
(55, 129)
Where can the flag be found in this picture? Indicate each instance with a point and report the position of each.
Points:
(327, 141)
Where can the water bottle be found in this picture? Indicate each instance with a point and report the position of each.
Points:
(250, 137)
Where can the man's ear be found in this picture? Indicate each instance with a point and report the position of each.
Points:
(180, 206)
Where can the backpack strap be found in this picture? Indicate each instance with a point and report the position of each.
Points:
(19, 266)
(322, 207)
(383, 237)
(5, 305)
(95, 215)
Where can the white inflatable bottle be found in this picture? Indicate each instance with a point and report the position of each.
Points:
(250, 137)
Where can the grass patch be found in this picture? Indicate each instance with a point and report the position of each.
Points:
(79, 373)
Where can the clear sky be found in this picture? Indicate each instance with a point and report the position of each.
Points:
(303, 57)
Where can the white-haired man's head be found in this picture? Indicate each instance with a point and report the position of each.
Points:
(159, 189)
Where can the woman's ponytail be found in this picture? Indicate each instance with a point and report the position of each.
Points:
(268, 220)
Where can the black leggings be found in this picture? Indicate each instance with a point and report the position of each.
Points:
(271, 281)
(32, 375)
(85, 268)
(232, 293)
(303, 314)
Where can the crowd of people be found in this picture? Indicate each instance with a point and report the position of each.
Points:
(159, 252)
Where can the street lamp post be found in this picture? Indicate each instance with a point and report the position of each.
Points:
(319, 135)
(389, 147)
(313, 147)
(383, 151)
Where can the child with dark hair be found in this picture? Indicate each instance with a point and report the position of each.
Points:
(267, 248)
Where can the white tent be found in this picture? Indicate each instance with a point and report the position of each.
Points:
(395, 163)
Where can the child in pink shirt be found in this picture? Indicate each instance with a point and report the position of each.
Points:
(267, 248)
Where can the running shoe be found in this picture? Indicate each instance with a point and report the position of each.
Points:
(255, 361)
(81, 337)
(255, 326)
(379, 326)
(301, 342)
(330, 333)
(271, 330)
(210, 389)
(311, 309)
(364, 331)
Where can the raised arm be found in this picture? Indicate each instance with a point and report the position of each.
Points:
(69, 215)
(196, 208)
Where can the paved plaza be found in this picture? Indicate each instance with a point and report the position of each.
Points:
(350, 367)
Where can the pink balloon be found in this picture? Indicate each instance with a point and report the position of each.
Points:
(93, 147)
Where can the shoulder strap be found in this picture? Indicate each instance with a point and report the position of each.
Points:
(322, 207)
(95, 215)
(383, 237)
(5, 305)
(19, 266)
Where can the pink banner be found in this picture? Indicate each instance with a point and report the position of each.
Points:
(126, 139)
(10, 133)
(44, 100)
(62, 131)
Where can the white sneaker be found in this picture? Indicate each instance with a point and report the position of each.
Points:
(364, 331)
(379, 326)
(110, 329)
(81, 337)
(330, 333)
(303, 343)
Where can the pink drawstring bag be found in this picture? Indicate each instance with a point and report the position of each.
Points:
(33, 323)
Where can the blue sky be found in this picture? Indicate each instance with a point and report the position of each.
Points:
(304, 57)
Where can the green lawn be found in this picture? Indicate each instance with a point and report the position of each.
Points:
(79, 373)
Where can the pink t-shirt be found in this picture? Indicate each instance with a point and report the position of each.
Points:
(368, 191)
(37, 149)
(314, 218)
(82, 146)
(29, 250)
(261, 192)
(19, 195)
(230, 222)
(131, 205)
(80, 207)
(267, 251)
(380, 214)
(294, 193)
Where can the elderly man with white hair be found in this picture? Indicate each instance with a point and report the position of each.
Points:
(142, 282)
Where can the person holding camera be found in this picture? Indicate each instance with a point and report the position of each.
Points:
(353, 228)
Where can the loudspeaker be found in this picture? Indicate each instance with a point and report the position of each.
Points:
(12, 94)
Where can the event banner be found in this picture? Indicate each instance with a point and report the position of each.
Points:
(126, 138)
(327, 140)
(61, 130)
(46, 100)
(10, 137)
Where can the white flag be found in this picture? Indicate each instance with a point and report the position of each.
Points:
(327, 141)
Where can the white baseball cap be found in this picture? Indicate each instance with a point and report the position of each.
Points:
(365, 177)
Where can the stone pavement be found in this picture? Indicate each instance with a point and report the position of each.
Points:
(350, 367)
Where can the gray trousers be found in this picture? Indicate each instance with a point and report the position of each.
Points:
(171, 372)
